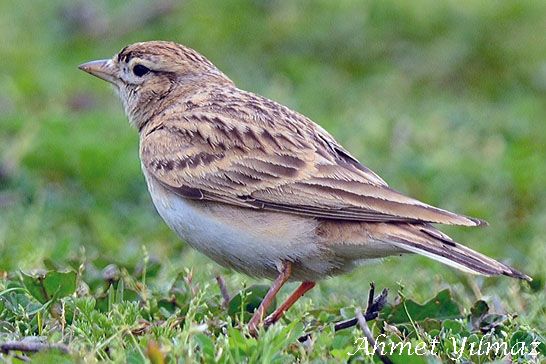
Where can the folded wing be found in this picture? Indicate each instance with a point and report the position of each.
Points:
(295, 167)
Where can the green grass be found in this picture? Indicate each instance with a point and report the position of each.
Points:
(446, 101)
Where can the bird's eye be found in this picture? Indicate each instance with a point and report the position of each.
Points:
(140, 70)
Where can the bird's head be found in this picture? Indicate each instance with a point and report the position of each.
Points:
(150, 75)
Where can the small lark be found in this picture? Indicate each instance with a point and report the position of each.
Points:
(260, 188)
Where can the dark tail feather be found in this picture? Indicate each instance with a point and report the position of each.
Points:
(427, 241)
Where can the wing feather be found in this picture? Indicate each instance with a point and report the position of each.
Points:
(292, 166)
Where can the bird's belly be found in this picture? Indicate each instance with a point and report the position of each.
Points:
(250, 241)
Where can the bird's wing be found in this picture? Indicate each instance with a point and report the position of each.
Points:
(293, 167)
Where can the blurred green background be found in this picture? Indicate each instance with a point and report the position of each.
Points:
(446, 100)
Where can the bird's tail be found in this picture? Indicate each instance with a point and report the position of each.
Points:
(426, 240)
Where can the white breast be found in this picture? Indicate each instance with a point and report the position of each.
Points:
(250, 241)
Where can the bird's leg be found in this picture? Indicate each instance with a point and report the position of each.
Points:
(300, 291)
(281, 279)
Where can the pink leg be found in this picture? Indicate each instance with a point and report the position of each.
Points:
(277, 284)
(296, 295)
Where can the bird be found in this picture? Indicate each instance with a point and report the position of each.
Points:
(262, 189)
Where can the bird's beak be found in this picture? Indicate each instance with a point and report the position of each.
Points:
(102, 69)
